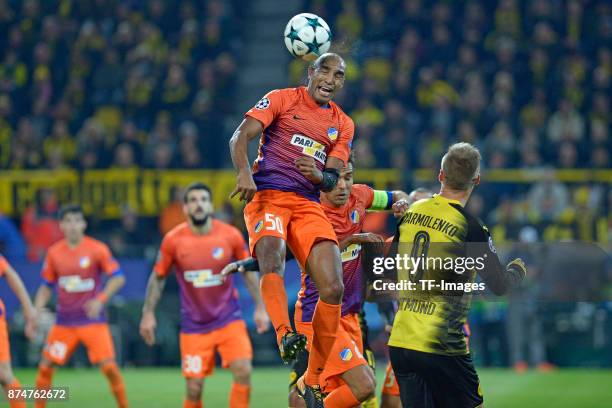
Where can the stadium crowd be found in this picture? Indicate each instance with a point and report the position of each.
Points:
(98, 84)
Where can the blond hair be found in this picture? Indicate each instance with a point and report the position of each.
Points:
(461, 165)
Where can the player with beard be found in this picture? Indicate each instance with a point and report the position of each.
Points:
(211, 320)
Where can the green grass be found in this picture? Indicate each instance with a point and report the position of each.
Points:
(164, 387)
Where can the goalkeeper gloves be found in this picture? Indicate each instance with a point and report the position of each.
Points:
(518, 265)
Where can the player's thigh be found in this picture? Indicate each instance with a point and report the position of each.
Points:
(267, 215)
(344, 357)
(197, 354)
(194, 387)
(98, 342)
(413, 388)
(270, 252)
(455, 383)
(310, 226)
(325, 269)
(234, 344)
(61, 343)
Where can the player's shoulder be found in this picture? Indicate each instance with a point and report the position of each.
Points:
(284, 93)
(477, 231)
(224, 228)
(344, 117)
(177, 231)
(95, 244)
(361, 191)
(57, 247)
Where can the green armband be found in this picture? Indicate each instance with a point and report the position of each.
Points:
(383, 200)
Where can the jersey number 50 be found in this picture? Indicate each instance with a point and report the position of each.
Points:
(273, 223)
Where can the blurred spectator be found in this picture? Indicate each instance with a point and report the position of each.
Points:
(172, 214)
(131, 236)
(39, 224)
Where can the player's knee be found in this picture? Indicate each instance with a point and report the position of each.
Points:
(194, 388)
(241, 371)
(364, 388)
(332, 292)
(6, 374)
(295, 401)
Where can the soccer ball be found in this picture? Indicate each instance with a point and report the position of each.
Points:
(307, 36)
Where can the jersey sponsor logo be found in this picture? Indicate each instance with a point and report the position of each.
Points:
(262, 104)
(217, 253)
(203, 278)
(346, 354)
(310, 147)
(350, 252)
(84, 262)
(259, 226)
(355, 216)
(491, 246)
(74, 284)
(332, 133)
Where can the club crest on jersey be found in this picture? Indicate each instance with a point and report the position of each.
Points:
(346, 354)
(262, 104)
(217, 253)
(84, 262)
(332, 133)
(259, 226)
(355, 216)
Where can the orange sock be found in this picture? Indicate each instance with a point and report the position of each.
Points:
(14, 386)
(325, 323)
(43, 382)
(239, 396)
(187, 403)
(273, 294)
(111, 371)
(341, 397)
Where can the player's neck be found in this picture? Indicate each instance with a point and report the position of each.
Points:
(201, 229)
(458, 195)
(73, 243)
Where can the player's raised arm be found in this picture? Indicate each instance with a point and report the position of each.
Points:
(18, 288)
(239, 144)
(497, 278)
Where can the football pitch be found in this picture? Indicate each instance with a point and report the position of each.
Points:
(164, 387)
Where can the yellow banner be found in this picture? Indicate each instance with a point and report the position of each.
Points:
(106, 192)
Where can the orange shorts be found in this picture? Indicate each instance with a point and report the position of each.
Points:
(63, 340)
(346, 354)
(297, 220)
(390, 386)
(5, 352)
(198, 349)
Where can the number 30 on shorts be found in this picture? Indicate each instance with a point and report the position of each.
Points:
(274, 223)
(192, 364)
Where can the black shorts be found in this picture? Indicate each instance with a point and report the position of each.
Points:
(298, 368)
(429, 380)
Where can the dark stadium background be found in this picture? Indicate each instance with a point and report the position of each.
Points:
(116, 104)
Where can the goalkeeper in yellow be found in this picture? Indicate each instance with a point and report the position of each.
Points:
(427, 347)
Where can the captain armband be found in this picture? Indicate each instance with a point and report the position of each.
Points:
(383, 200)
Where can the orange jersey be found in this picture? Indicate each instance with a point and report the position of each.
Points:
(346, 220)
(78, 274)
(294, 126)
(207, 301)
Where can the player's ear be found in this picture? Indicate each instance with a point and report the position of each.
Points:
(441, 176)
(476, 180)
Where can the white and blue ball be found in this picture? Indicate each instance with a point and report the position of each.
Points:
(307, 36)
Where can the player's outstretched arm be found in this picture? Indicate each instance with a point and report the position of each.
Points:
(18, 288)
(239, 147)
(148, 323)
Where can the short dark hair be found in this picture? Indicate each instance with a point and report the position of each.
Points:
(328, 55)
(69, 209)
(351, 158)
(196, 186)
